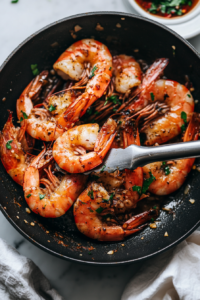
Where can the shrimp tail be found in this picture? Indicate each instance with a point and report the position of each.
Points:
(105, 137)
(134, 230)
(193, 128)
(140, 219)
(74, 111)
(24, 103)
(153, 72)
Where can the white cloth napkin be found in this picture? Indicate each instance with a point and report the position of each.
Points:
(172, 275)
(21, 279)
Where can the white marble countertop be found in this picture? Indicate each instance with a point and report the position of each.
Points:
(73, 281)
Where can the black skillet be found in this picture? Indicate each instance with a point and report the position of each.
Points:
(153, 41)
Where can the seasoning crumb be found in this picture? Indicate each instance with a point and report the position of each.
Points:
(122, 245)
(136, 50)
(73, 35)
(173, 47)
(198, 169)
(77, 28)
(142, 238)
(32, 224)
(166, 234)
(191, 89)
(110, 252)
(27, 210)
(196, 101)
(80, 254)
(5, 207)
(122, 19)
(118, 25)
(153, 225)
(99, 27)
(55, 44)
(47, 231)
(4, 99)
(194, 167)
(166, 208)
(48, 241)
(25, 221)
(187, 189)
(52, 72)
(17, 217)
(192, 201)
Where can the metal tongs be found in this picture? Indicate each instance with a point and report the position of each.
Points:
(138, 156)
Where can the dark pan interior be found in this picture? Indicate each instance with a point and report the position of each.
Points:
(153, 41)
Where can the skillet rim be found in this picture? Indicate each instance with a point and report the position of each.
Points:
(12, 222)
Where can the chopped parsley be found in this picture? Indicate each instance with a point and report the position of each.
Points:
(41, 196)
(183, 127)
(110, 198)
(189, 95)
(120, 122)
(8, 144)
(52, 108)
(152, 96)
(14, 1)
(103, 168)
(21, 119)
(155, 207)
(169, 8)
(184, 118)
(152, 219)
(91, 195)
(147, 183)
(28, 196)
(137, 188)
(99, 210)
(105, 103)
(24, 115)
(91, 210)
(35, 70)
(92, 72)
(167, 170)
(114, 99)
(110, 68)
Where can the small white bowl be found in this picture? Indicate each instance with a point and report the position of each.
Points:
(174, 21)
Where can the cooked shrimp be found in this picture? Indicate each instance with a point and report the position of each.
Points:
(14, 144)
(91, 210)
(152, 73)
(169, 176)
(71, 65)
(24, 103)
(127, 73)
(134, 178)
(58, 195)
(12, 155)
(177, 99)
(69, 150)
(58, 103)
(39, 122)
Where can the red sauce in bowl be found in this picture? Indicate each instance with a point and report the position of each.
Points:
(167, 8)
